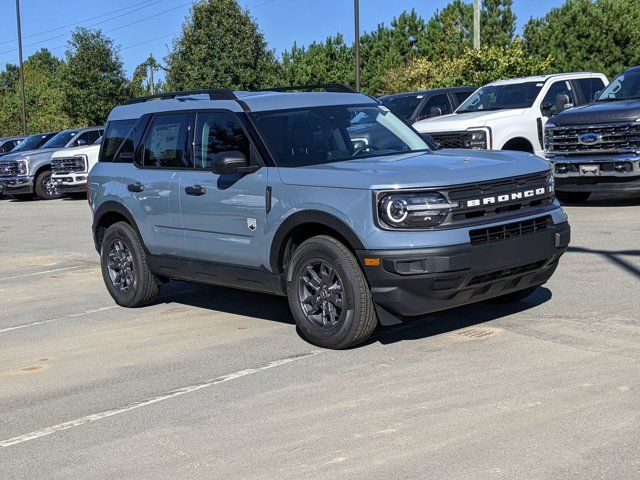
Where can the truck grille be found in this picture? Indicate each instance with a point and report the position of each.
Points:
(483, 236)
(503, 204)
(604, 139)
(9, 169)
(453, 139)
(68, 165)
(505, 273)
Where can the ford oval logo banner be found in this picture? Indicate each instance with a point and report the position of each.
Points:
(589, 138)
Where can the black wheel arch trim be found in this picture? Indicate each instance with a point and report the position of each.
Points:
(114, 207)
(309, 216)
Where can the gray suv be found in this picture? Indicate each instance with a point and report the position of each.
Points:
(25, 174)
(326, 197)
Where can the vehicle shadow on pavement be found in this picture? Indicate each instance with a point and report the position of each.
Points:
(613, 256)
(455, 319)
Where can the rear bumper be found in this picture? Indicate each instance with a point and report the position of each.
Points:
(417, 282)
(16, 185)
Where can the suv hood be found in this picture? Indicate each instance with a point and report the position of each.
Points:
(456, 122)
(72, 152)
(29, 154)
(443, 168)
(600, 112)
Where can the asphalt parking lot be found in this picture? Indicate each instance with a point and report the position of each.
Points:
(215, 383)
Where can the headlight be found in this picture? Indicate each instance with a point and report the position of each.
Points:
(551, 184)
(414, 210)
(477, 140)
(23, 167)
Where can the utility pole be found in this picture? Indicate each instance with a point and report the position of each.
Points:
(152, 67)
(356, 12)
(476, 24)
(24, 103)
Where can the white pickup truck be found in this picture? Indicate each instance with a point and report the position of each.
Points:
(511, 114)
(70, 167)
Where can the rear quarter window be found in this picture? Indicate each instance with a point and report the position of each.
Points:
(115, 134)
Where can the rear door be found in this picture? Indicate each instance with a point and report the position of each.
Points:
(152, 184)
(223, 216)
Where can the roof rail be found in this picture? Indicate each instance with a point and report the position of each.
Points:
(327, 87)
(215, 94)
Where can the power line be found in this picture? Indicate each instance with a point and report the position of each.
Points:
(81, 21)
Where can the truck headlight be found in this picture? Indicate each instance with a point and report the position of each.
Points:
(414, 210)
(551, 184)
(477, 140)
(23, 167)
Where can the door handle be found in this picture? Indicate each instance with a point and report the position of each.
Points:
(195, 190)
(135, 187)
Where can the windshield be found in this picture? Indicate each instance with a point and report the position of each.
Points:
(61, 139)
(502, 97)
(32, 142)
(625, 86)
(404, 105)
(337, 133)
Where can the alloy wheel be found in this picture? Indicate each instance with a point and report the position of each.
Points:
(320, 293)
(120, 266)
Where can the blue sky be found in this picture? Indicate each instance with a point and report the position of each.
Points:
(144, 27)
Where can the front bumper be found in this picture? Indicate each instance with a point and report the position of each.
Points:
(419, 281)
(16, 185)
(597, 174)
(70, 182)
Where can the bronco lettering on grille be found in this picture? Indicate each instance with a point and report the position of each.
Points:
(477, 202)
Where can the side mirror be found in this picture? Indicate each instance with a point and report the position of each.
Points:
(545, 109)
(596, 95)
(435, 112)
(231, 163)
(431, 141)
(81, 142)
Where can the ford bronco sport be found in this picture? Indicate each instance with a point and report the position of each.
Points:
(326, 197)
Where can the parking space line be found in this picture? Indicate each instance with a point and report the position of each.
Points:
(133, 406)
(55, 270)
(71, 315)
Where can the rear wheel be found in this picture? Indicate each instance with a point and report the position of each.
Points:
(573, 197)
(46, 188)
(124, 267)
(514, 296)
(328, 294)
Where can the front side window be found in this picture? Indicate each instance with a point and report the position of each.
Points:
(33, 142)
(404, 105)
(165, 145)
(625, 86)
(61, 139)
(502, 97)
(337, 133)
(218, 132)
(558, 98)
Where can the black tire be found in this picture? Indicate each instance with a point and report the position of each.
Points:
(45, 189)
(22, 197)
(573, 197)
(356, 317)
(514, 296)
(143, 286)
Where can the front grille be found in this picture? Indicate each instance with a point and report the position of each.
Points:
(452, 140)
(9, 169)
(503, 202)
(483, 236)
(505, 273)
(608, 139)
(68, 165)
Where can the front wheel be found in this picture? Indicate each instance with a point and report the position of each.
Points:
(573, 197)
(328, 294)
(46, 188)
(124, 267)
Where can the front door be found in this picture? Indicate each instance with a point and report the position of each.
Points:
(223, 216)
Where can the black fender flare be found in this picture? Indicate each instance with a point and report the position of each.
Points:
(310, 216)
(108, 207)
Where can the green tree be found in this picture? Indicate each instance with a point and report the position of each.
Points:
(600, 35)
(93, 77)
(472, 67)
(220, 47)
(45, 96)
(325, 62)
